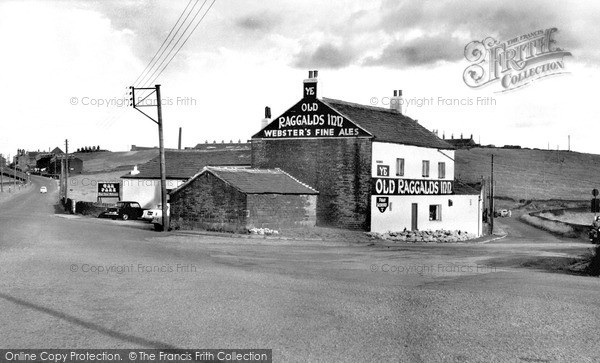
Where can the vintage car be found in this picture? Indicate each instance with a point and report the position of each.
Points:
(43, 190)
(157, 218)
(124, 210)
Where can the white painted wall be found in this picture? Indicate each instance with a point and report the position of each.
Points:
(413, 160)
(146, 191)
(464, 214)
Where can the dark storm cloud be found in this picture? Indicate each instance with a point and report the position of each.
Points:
(325, 55)
(449, 26)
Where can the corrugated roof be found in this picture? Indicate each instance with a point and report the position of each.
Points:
(256, 181)
(183, 164)
(388, 125)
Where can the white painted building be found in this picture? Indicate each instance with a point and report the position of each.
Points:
(414, 189)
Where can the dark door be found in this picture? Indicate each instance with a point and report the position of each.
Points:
(414, 224)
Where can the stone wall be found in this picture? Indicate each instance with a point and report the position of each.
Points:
(340, 169)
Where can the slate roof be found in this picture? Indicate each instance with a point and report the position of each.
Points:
(461, 188)
(184, 164)
(256, 181)
(388, 125)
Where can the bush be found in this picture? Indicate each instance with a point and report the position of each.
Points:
(594, 266)
(89, 208)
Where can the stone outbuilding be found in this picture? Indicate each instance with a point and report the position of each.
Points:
(238, 199)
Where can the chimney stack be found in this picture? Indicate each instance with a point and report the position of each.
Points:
(309, 87)
(267, 120)
(396, 101)
(179, 144)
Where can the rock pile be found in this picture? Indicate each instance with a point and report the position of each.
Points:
(263, 231)
(442, 236)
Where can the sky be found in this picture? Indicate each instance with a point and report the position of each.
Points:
(66, 66)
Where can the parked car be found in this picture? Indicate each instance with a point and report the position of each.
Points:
(149, 214)
(124, 210)
(157, 218)
(43, 190)
(502, 213)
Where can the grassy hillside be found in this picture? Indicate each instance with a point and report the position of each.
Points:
(108, 161)
(532, 174)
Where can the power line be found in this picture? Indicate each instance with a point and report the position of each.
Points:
(163, 43)
(171, 41)
(186, 39)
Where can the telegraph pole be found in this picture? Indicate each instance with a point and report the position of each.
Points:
(1, 173)
(66, 170)
(492, 198)
(158, 121)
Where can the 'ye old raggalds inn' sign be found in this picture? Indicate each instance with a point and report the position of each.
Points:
(516, 62)
(388, 186)
(311, 118)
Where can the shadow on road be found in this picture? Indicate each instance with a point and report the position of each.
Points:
(88, 325)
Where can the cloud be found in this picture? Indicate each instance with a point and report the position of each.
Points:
(261, 21)
(419, 52)
(326, 55)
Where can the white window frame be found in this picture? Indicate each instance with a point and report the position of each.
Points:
(438, 213)
(425, 169)
(400, 166)
(441, 170)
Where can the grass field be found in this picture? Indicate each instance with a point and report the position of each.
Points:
(523, 174)
(110, 161)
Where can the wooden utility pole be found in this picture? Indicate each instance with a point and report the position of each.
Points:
(1, 173)
(492, 198)
(66, 170)
(158, 121)
(163, 174)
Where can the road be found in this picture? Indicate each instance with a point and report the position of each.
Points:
(72, 282)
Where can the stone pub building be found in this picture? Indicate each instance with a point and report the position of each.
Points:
(374, 168)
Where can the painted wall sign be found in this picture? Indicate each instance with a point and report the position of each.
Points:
(388, 186)
(108, 189)
(382, 203)
(383, 170)
(311, 118)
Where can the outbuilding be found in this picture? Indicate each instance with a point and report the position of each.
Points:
(143, 183)
(239, 199)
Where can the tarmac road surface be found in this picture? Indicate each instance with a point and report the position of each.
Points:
(71, 282)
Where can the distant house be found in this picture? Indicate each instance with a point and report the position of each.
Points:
(143, 184)
(222, 145)
(237, 199)
(462, 143)
(55, 165)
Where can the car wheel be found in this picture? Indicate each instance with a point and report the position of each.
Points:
(125, 217)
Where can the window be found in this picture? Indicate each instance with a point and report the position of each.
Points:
(399, 167)
(435, 212)
(425, 168)
(441, 170)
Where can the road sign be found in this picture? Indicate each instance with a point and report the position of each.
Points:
(595, 205)
(595, 192)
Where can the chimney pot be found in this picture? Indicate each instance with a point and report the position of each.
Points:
(315, 73)
(267, 112)
(310, 74)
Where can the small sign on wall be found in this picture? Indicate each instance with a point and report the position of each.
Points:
(383, 170)
(382, 203)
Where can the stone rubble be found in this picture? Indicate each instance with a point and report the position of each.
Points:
(439, 236)
(263, 231)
